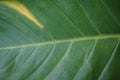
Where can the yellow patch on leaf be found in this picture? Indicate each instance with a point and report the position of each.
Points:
(23, 10)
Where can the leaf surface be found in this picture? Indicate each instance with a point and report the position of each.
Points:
(59, 40)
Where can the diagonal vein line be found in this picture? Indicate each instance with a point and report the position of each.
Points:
(3, 67)
(16, 27)
(41, 63)
(45, 29)
(74, 25)
(30, 55)
(90, 55)
(65, 54)
(109, 61)
(115, 18)
(49, 34)
(20, 52)
(33, 52)
(26, 25)
(10, 62)
(89, 19)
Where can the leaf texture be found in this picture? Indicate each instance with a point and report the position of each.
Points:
(79, 40)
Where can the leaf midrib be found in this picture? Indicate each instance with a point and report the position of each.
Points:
(62, 41)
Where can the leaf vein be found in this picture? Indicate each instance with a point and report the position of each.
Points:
(90, 55)
(67, 51)
(109, 61)
(89, 19)
(74, 25)
(41, 63)
(115, 18)
(62, 41)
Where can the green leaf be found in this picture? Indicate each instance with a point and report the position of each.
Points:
(59, 40)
